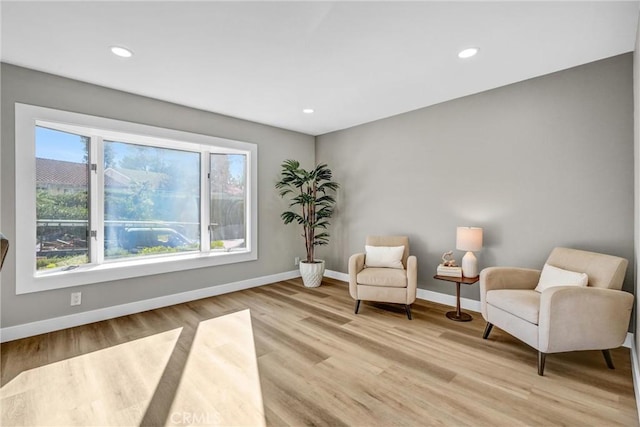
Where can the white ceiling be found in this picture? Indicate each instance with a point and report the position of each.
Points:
(353, 62)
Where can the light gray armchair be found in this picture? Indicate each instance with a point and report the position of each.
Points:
(393, 285)
(560, 318)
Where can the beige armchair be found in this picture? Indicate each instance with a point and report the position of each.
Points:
(383, 284)
(560, 318)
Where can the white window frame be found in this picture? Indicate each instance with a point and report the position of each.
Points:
(28, 279)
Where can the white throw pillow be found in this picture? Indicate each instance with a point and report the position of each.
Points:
(553, 276)
(384, 256)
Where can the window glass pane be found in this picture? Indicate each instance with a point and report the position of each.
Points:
(62, 205)
(228, 202)
(151, 200)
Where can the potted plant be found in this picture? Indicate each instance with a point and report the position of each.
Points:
(309, 193)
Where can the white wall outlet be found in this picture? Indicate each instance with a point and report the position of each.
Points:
(296, 261)
(76, 298)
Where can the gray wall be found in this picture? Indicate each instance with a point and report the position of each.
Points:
(636, 134)
(541, 163)
(277, 244)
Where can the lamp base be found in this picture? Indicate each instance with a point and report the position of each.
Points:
(469, 265)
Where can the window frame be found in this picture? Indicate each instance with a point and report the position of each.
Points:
(28, 279)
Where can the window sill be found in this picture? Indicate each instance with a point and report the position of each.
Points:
(148, 266)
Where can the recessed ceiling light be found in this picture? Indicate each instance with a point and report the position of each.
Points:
(468, 53)
(308, 110)
(121, 51)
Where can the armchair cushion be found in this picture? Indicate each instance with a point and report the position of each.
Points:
(522, 303)
(384, 277)
(384, 256)
(554, 276)
(493, 278)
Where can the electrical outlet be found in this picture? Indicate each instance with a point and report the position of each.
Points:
(296, 261)
(76, 298)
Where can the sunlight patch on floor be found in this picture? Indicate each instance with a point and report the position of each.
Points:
(112, 386)
(220, 384)
(130, 383)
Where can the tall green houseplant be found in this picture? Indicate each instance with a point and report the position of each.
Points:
(310, 193)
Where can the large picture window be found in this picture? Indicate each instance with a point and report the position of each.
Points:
(105, 199)
(151, 200)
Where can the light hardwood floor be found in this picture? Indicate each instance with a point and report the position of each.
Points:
(286, 355)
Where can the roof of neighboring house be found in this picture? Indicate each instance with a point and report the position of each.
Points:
(113, 178)
(59, 172)
(124, 176)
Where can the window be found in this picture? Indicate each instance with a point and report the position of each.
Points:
(228, 194)
(62, 199)
(100, 199)
(151, 200)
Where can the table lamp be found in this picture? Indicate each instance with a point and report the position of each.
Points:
(469, 239)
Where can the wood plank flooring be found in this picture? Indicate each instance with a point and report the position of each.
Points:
(284, 355)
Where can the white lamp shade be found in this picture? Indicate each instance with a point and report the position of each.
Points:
(469, 238)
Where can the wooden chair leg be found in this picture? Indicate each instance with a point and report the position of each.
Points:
(357, 306)
(541, 360)
(607, 358)
(407, 308)
(487, 331)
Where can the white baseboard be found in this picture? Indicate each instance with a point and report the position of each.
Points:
(628, 342)
(11, 333)
(337, 275)
(446, 299)
(635, 372)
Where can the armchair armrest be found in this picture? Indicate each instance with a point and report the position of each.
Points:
(356, 265)
(412, 278)
(506, 278)
(575, 318)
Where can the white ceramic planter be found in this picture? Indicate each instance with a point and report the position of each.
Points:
(312, 273)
